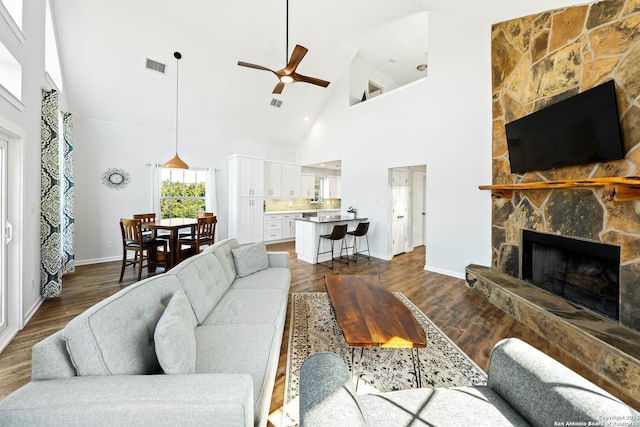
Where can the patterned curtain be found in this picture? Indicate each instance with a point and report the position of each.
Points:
(56, 200)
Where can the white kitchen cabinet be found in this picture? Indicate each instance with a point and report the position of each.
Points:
(245, 220)
(272, 179)
(307, 185)
(291, 180)
(246, 201)
(332, 187)
(289, 225)
(246, 175)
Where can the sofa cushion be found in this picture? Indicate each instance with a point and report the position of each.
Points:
(222, 250)
(249, 306)
(204, 282)
(174, 337)
(241, 349)
(270, 278)
(115, 336)
(250, 259)
(437, 407)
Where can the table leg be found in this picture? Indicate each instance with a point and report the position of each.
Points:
(416, 366)
(174, 250)
(353, 368)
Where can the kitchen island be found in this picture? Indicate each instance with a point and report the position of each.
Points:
(308, 231)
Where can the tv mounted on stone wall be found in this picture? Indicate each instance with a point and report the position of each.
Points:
(579, 130)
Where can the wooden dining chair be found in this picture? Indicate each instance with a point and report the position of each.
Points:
(199, 214)
(204, 236)
(143, 248)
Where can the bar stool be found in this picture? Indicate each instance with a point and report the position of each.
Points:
(338, 233)
(360, 231)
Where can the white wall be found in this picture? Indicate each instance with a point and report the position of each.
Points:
(102, 145)
(443, 122)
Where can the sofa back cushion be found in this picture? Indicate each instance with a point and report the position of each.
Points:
(544, 391)
(115, 336)
(204, 282)
(222, 250)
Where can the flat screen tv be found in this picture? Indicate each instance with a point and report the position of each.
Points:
(579, 130)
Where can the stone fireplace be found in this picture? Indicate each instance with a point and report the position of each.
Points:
(538, 60)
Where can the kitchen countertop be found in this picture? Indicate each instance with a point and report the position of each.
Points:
(331, 218)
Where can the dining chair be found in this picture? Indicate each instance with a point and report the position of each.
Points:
(199, 214)
(204, 235)
(143, 248)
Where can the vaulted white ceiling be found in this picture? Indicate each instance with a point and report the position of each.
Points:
(104, 45)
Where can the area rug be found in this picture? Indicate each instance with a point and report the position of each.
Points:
(314, 329)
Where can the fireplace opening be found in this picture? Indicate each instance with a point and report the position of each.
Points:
(582, 272)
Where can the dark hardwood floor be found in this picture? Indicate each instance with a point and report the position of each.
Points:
(468, 319)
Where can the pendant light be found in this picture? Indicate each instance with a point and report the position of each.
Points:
(176, 162)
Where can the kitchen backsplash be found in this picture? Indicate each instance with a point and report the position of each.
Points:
(277, 205)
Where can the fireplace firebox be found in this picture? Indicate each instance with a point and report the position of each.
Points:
(582, 272)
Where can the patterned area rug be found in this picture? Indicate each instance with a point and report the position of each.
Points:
(314, 329)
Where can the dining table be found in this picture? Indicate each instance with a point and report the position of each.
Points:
(173, 225)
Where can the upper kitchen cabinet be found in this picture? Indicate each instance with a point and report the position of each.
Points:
(291, 175)
(332, 188)
(307, 185)
(273, 179)
(246, 174)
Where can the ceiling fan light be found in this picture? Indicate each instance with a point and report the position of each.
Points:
(286, 79)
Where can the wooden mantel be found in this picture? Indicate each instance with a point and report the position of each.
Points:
(619, 188)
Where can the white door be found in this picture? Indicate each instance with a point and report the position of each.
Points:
(418, 208)
(6, 235)
(399, 211)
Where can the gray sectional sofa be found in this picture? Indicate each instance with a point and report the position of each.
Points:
(198, 345)
(525, 387)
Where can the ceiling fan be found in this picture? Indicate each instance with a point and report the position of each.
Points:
(288, 74)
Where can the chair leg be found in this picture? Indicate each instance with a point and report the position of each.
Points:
(343, 243)
(318, 251)
(140, 259)
(124, 265)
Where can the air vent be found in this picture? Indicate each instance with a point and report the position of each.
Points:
(276, 103)
(156, 66)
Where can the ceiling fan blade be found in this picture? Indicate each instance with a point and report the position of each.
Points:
(278, 88)
(306, 79)
(257, 67)
(296, 56)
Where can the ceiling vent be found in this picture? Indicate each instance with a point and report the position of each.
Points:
(276, 103)
(156, 66)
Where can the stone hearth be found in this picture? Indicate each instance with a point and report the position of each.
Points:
(608, 350)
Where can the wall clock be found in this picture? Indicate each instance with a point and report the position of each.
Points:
(115, 178)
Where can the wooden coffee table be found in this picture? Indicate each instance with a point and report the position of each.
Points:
(371, 316)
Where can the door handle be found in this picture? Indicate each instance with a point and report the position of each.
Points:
(8, 233)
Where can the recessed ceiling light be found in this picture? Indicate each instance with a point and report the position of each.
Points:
(306, 118)
(421, 67)
(394, 59)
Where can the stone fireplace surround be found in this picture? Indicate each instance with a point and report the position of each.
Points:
(538, 60)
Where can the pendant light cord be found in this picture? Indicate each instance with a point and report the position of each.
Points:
(286, 54)
(177, 55)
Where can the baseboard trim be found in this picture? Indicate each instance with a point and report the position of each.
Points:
(97, 260)
(445, 272)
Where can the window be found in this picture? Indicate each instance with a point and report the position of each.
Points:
(10, 76)
(14, 9)
(183, 192)
(52, 61)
